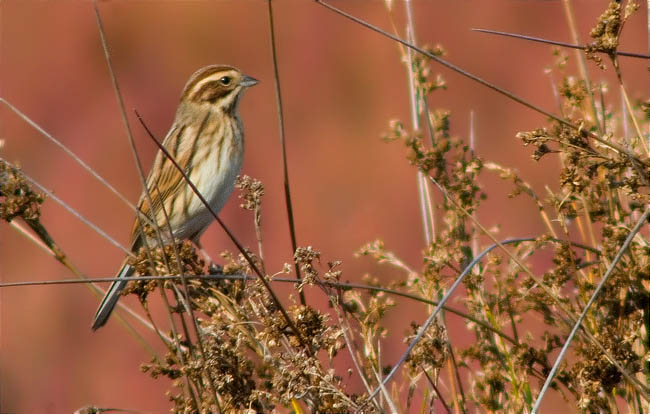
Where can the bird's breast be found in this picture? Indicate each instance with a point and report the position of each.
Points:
(216, 163)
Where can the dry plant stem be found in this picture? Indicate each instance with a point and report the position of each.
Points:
(583, 235)
(427, 301)
(159, 235)
(424, 195)
(75, 157)
(281, 280)
(70, 209)
(164, 256)
(120, 101)
(125, 120)
(625, 122)
(180, 299)
(435, 389)
(590, 224)
(452, 367)
(38, 242)
(93, 409)
(382, 385)
(258, 235)
(472, 146)
(456, 283)
(296, 407)
(351, 348)
(343, 322)
(483, 82)
(138, 163)
(603, 111)
(490, 166)
(556, 94)
(182, 277)
(167, 341)
(630, 111)
(52, 249)
(134, 152)
(555, 43)
(345, 286)
(46, 243)
(232, 237)
(581, 228)
(437, 309)
(86, 221)
(578, 323)
(188, 306)
(633, 381)
(177, 345)
(118, 94)
(454, 374)
(285, 171)
(582, 65)
(426, 207)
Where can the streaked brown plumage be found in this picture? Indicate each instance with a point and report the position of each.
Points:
(207, 141)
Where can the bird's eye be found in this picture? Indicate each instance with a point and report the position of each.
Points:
(225, 80)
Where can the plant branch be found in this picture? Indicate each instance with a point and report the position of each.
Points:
(72, 211)
(578, 323)
(552, 42)
(76, 158)
(285, 171)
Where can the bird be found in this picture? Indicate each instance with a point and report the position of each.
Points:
(206, 139)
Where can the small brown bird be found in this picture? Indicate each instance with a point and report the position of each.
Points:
(207, 141)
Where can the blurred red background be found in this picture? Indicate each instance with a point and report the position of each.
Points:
(341, 85)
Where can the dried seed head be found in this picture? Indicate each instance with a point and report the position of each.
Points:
(252, 192)
(17, 198)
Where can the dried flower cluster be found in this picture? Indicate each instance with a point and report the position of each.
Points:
(607, 31)
(252, 192)
(17, 198)
(247, 356)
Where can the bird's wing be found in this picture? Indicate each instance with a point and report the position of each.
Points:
(165, 179)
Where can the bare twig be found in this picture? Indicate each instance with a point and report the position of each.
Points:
(51, 248)
(424, 194)
(582, 64)
(72, 211)
(435, 389)
(285, 171)
(552, 42)
(75, 157)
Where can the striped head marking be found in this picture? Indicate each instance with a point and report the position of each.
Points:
(216, 85)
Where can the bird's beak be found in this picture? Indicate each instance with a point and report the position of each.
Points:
(248, 81)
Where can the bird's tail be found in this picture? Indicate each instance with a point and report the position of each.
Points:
(111, 297)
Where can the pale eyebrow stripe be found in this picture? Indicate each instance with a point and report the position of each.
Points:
(213, 77)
